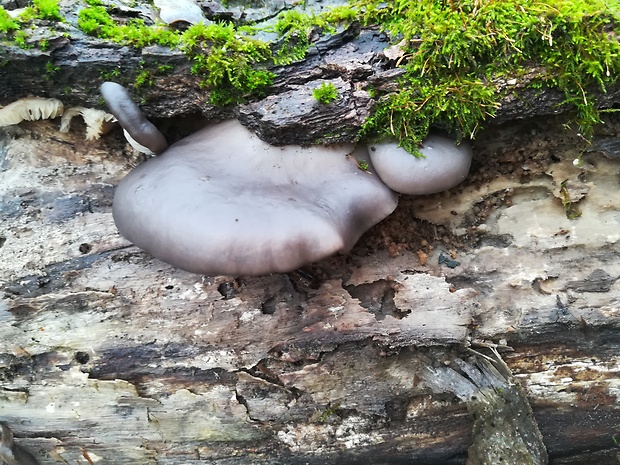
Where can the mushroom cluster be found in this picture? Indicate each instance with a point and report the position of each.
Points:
(38, 108)
(223, 202)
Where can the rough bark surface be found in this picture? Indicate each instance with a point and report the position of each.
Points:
(386, 355)
(353, 59)
(107, 353)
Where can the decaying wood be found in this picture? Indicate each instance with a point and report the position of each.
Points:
(110, 356)
(504, 427)
(352, 59)
(389, 354)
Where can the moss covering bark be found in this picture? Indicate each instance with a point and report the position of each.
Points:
(454, 54)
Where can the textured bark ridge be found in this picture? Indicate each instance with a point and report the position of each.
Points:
(353, 59)
(383, 355)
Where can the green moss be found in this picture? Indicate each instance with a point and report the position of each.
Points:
(19, 30)
(138, 34)
(110, 74)
(454, 51)
(295, 28)
(146, 74)
(40, 9)
(452, 55)
(164, 69)
(225, 59)
(228, 62)
(456, 102)
(582, 52)
(143, 78)
(231, 62)
(50, 70)
(7, 24)
(21, 40)
(340, 14)
(96, 21)
(325, 93)
(48, 9)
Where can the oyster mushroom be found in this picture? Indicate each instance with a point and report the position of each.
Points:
(443, 165)
(139, 131)
(223, 202)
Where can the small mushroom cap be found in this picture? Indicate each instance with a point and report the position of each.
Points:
(223, 202)
(30, 109)
(131, 118)
(444, 165)
(97, 121)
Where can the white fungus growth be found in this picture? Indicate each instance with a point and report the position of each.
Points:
(38, 108)
(30, 109)
(97, 121)
(136, 145)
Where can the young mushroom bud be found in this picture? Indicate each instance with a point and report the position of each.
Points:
(175, 11)
(442, 166)
(130, 117)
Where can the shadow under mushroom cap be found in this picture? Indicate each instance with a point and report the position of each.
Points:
(222, 201)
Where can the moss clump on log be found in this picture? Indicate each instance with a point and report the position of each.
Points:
(456, 56)
(232, 62)
(455, 52)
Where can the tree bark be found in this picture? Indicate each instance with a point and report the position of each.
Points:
(107, 352)
(389, 354)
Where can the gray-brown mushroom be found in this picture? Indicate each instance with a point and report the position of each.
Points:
(223, 202)
(131, 118)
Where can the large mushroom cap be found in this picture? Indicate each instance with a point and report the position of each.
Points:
(222, 201)
(443, 166)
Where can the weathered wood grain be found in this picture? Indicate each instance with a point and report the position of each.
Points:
(109, 354)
